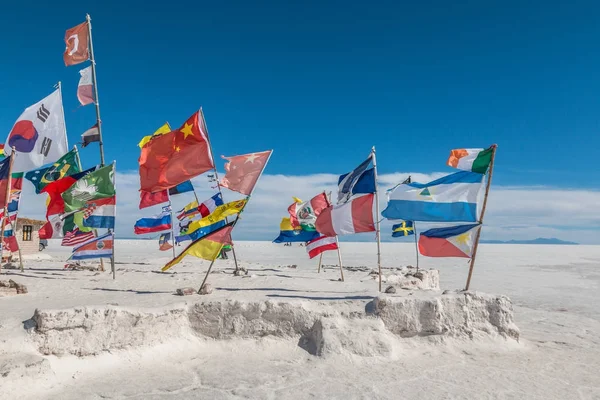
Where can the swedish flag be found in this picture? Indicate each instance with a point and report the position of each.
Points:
(403, 229)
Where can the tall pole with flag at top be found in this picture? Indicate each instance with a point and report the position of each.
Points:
(212, 154)
(95, 85)
(377, 228)
(485, 199)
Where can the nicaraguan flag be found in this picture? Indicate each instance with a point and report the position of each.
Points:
(158, 223)
(405, 228)
(454, 241)
(452, 198)
(288, 234)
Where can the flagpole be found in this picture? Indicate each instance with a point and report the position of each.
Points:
(377, 228)
(320, 261)
(210, 267)
(94, 82)
(172, 223)
(327, 196)
(212, 155)
(112, 259)
(339, 257)
(487, 191)
(416, 243)
(6, 199)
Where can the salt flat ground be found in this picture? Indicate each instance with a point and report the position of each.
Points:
(555, 290)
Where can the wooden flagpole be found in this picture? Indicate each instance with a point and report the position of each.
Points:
(340, 258)
(377, 228)
(112, 259)
(328, 197)
(95, 84)
(487, 191)
(172, 223)
(212, 154)
(320, 261)
(6, 199)
(416, 243)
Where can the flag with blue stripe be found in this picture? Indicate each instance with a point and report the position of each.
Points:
(347, 182)
(406, 228)
(452, 198)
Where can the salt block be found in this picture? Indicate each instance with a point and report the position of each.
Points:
(205, 289)
(8, 291)
(186, 291)
(461, 314)
(407, 278)
(366, 337)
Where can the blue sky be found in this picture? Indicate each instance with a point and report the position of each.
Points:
(322, 82)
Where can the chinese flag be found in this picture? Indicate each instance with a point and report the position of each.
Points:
(76, 40)
(151, 199)
(173, 158)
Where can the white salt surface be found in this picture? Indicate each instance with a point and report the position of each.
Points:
(555, 291)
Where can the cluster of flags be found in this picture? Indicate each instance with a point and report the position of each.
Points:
(450, 199)
(318, 222)
(169, 160)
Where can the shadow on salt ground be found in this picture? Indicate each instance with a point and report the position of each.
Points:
(270, 289)
(130, 291)
(290, 277)
(62, 277)
(322, 298)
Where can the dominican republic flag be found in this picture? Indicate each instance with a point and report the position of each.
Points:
(158, 223)
(454, 241)
(319, 245)
(98, 248)
(100, 213)
(452, 198)
(354, 216)
(360, 180)
(76, 237)
(209, 205)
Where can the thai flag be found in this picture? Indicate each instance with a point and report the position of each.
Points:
(158, 223)
(100, 213)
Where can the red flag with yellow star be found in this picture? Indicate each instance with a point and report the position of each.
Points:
(170, 159)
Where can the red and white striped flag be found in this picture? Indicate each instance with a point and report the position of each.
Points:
(355, 216)
(76, 237)
(321, 244)
(84, 89)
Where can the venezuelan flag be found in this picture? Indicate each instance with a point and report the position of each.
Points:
(207, 247)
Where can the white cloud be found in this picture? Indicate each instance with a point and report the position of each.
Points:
(513, 212)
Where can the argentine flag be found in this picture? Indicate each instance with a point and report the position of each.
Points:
(452, 198)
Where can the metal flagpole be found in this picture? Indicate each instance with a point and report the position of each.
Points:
(377, 229)
(212, 155)
(6, 199)
(487, 191)
(172, 223)
(416, 243)
(94, 82)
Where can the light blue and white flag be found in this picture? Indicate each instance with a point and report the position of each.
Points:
(452, 198)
